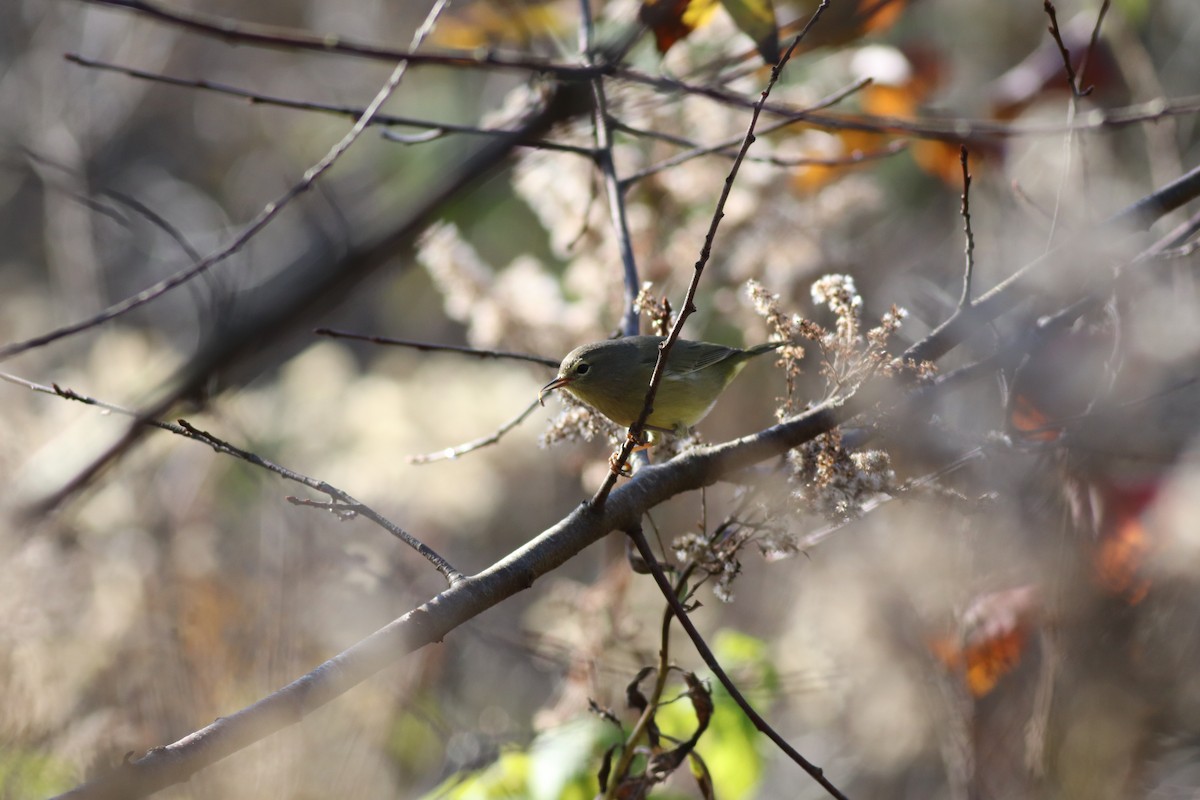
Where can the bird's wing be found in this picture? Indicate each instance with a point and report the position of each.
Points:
(695, 356)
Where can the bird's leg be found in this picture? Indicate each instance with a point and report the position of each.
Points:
(626, 469)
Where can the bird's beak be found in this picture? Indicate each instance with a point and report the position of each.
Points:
(557, 383)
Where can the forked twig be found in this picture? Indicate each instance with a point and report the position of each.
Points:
(343, 504)
(451, 453)
(639, 539)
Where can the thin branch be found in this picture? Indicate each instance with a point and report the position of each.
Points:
(1183, 251)
(817, 774)
(725, 148)
(1005, 295)
(238, 32)
(1095, 37)
(733, 141)
(268, 214)
(354, 112)
(1072, 80)
(949, 130)
(664, 349)
(969, 266)
(437, 348)
(602, 132)
(854, 158)
(452, 453)
(1169, 243)
(339, 510)
(71, 394)
(343, 502)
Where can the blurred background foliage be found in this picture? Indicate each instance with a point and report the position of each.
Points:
(182, 586)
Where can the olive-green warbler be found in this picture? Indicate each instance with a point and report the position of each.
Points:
(612, 376)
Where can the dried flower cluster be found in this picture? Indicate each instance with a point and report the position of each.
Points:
(847, 356)
(578, 422)
(657, 310)
(714, 555)
(788, 328)
(831, 481)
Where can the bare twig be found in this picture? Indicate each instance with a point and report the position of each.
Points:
(727, 146)
(1182, 251)
(1072, 80)
(969, 266)
(1005, 295)
(854, 158)
(1095, 37)
(955, 131)
(451, 453)
(237, 32)
(602, 131)
(354, 112)
(436, 348)
(342, 504)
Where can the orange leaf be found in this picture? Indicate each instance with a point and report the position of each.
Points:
(995, 634)
(1030, 422)
(879, 15)
(1124, 542)
(484, 25)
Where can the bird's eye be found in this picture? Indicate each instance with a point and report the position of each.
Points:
(583, 368)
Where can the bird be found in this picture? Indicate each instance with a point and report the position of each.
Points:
(612, 377)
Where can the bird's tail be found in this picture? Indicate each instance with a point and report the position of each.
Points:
(767, 347)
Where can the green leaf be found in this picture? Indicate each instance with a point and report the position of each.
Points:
(558, 765)
(506, 777)
(1135, 11)
(27, 773)
(562, 760)
(728, 746)
(740, 652)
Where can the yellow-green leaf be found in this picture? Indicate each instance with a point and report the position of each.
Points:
(756, 19)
